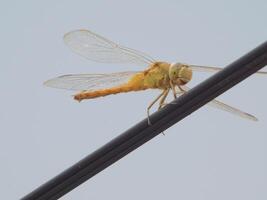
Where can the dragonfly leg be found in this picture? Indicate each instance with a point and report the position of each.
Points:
(173, 90)
(151, 104)
(181, 89)
(162, 100)
(180, 92)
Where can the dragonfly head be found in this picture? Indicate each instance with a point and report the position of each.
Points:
(179, 73)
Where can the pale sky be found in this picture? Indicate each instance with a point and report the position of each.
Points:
(209, 155)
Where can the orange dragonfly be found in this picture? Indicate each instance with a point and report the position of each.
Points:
(158, 75)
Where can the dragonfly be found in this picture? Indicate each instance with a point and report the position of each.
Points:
(164, 76)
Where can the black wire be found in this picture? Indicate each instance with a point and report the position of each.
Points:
(161, 120)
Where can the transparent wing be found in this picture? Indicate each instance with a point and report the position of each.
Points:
(90, 82)
(222, 106)
(235, 111)
(97, 48)
(214, 69)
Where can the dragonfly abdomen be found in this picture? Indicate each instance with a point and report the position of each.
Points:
(104, 92)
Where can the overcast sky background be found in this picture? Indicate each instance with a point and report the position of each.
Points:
(209, 155)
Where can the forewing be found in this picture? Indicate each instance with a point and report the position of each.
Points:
(199, 68)
(222, 106)
(99, 49)
(91, 82)
(205, 68)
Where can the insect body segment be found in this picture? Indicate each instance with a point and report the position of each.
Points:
(104, 92)
(157, 76)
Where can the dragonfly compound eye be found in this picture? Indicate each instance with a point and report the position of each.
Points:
(185, 74)
(174, 71)
(180, 73)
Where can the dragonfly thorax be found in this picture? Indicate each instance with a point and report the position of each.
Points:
(179, 73)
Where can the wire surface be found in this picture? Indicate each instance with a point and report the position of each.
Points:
(161, 120)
